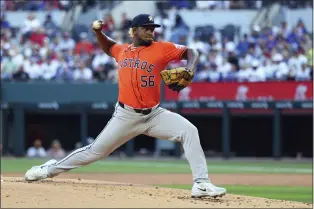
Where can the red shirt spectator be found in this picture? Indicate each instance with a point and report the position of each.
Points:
(108, 23)
(83, 45)
(38, 37)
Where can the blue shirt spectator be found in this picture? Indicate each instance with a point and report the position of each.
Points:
(64, 73)
(243, 45)
(293, 37)
(4, 22)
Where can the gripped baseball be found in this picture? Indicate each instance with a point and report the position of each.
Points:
(97, 24)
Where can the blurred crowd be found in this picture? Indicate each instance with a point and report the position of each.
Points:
(33, 5)
(42, 51)
(230, 4)
(48, 5)
(38, 151)
(271, 53)
(54, 150)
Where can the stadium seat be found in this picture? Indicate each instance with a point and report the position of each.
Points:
(204, 32)
(229, 31)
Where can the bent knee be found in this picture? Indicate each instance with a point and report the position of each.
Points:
(190, 131)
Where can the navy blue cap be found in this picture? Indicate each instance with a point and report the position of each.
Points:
(144, 20)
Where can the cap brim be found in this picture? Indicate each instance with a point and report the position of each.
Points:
(150, 24)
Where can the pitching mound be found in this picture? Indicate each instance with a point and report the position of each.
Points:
(61, 193)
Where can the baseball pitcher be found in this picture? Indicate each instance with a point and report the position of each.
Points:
(140, 71)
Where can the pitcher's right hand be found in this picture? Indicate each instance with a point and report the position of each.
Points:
(97, 25)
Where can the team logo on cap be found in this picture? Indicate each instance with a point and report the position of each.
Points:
(150, 18)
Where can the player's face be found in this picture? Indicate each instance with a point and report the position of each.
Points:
(145, 35)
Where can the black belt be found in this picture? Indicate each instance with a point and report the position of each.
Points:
(142, 111)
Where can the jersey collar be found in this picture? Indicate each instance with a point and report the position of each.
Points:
(131, 47)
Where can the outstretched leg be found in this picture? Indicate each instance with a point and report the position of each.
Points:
(164, 124)
(117, 131)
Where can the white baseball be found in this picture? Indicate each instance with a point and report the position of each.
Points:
(97, 24)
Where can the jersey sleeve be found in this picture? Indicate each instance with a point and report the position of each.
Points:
(172, 51)
(115, 50)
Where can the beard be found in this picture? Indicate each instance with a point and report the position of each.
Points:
(144, 42)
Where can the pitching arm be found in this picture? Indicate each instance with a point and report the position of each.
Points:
(105, 42)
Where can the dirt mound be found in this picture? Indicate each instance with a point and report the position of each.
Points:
(79, 193)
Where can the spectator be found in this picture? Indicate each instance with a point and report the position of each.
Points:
(125, 25)
(55, 151)
(179, 23)
(32, 68)
(284, 30)
(294, 64)
(304, 73)
(225, 68)
(37, 150)
(99, 74)
(100, 58)
(293, 38)
(30, 24)
(64, 73)
(279, 68)
(66, 42)
(257, 73)
(301, 30)
(68, 56)
(125, 22)
(84, 45)
(215, 57)
(50, 26)
(4, 23)
(17, 58)
(55, 44)
(244, 73)
(49, 67)
(231, 75)
(20, 75)
(8, 66)
(243, 45)
(82, 73)
(203, 74)
(213, 74)
(108, 26)
(112, 74)
(271, 42)
(38, 37)
(199, 45)
(214, 44)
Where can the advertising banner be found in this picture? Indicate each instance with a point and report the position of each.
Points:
(261, 91)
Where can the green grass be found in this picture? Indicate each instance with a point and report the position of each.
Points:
(299, 194)
(160, 166)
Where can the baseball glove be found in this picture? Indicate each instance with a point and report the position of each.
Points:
(177, 78)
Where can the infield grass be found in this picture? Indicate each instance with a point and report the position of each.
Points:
(163, 166)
